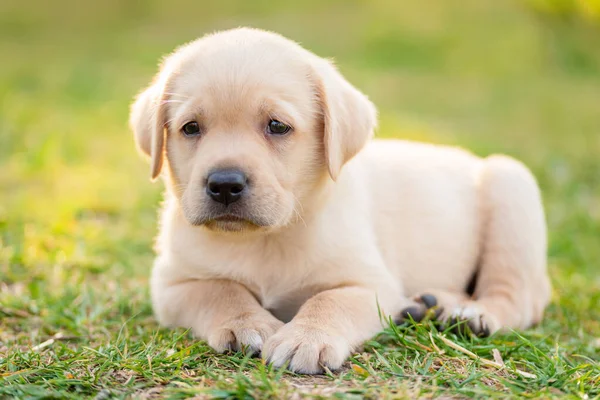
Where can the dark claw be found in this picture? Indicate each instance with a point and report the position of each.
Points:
(459, 326)
(468, 327)
(451, 323)
(486, 331)
(247, 350)
(481, 330)
(429, 300)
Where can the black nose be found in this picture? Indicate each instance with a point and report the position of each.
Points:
(226, 186)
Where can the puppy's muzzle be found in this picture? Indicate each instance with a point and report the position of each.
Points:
(226, 186)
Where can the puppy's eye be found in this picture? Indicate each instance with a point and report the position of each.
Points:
(191, 129)
(277, 127)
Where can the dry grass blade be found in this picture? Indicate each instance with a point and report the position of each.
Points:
(488, 363)
(14, 312)
(49, 342)
(43, 345)
(437, 349)
(497, 356)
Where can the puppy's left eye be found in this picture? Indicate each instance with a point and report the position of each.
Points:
(277, 127)
(191, 129)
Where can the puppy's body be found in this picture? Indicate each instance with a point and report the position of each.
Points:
(411, 234)
(324, 255)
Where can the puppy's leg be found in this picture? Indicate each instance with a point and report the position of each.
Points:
(222, 312)
(512, 288)
(326, 329)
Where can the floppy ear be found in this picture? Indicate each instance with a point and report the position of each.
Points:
(147, 120)
(349, 117)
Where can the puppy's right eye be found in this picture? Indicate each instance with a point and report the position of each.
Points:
(277, 127)
(191, 129)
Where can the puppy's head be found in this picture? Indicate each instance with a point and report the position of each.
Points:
(249, 125)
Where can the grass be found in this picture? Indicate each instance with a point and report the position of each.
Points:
(78, 213)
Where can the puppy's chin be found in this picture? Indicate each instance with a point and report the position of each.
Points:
(238, 217)
(236, 224)
(232, 224)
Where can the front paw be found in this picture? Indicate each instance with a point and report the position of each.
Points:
(475, 317)
(306, 349)
(244, 333)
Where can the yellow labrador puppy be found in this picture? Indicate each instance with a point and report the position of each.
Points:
(286, 230)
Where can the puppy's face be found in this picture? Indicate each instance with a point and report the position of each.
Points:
(243, 141)
(249, 124)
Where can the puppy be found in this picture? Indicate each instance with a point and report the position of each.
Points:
(287, 231)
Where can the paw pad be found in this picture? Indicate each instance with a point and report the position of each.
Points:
(425, 304)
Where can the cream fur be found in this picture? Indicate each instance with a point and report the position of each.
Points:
(338, 225)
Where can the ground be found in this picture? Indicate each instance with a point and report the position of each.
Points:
(78, 212)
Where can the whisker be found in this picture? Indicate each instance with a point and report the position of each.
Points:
(177, 94)
(172, 101)
(297, 201)
(300, 217)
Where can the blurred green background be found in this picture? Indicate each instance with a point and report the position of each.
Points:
(77, 209)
